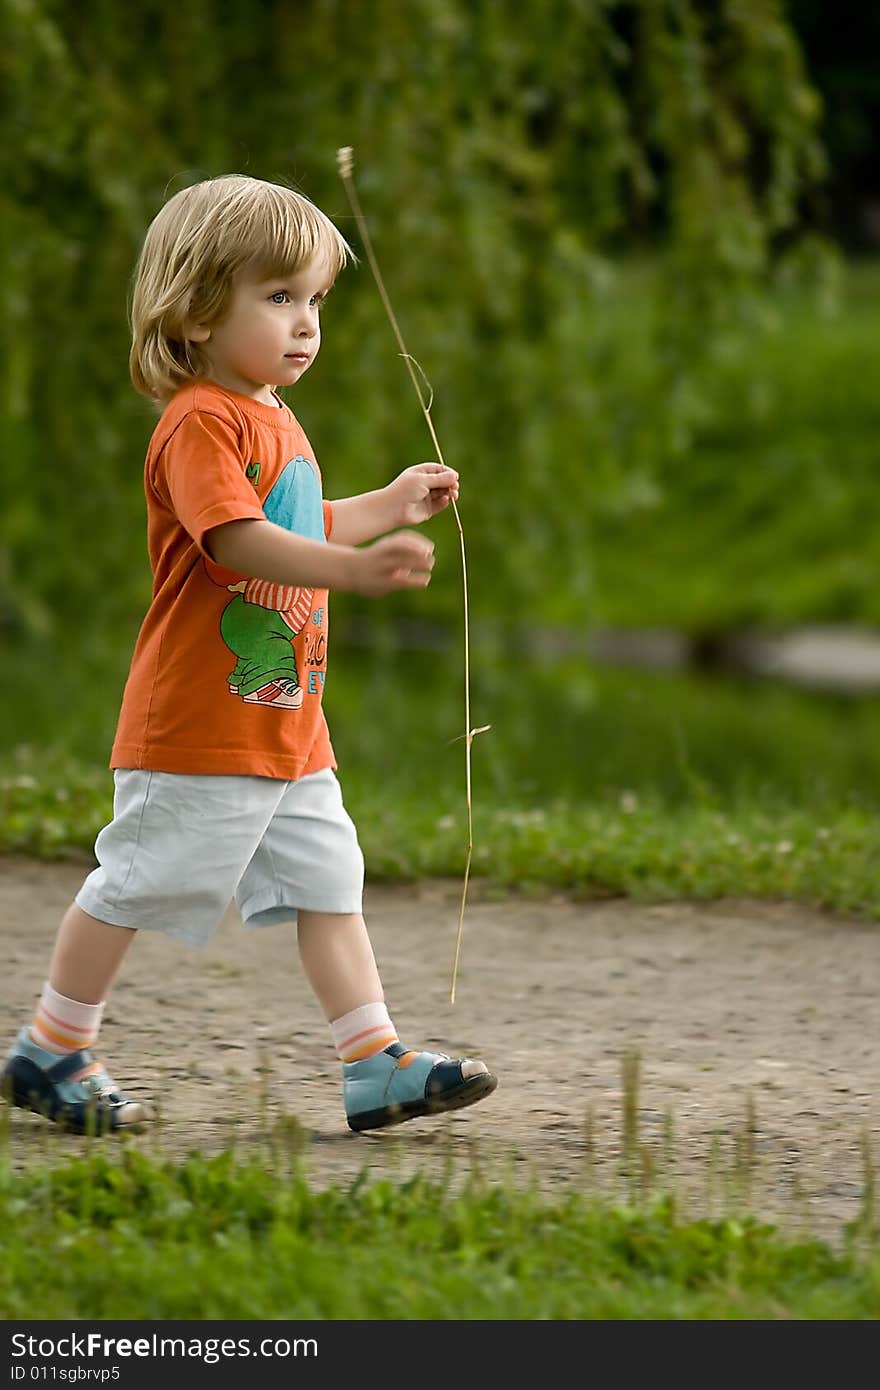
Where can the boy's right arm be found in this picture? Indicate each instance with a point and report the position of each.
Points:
(261, 550)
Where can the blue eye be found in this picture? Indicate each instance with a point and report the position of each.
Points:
(279, 297)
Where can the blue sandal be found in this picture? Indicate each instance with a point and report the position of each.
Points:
(398, 1084)
(35, 1079)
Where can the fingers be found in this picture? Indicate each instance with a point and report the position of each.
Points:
(405, 561)
(410, 579)
(412, 552)
(437, 475)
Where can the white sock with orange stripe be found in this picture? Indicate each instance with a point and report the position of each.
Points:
(63, 1025)
(363, 1032)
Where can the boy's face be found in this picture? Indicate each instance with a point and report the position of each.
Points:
(271, 333)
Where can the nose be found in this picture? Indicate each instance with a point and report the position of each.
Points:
(307, 324)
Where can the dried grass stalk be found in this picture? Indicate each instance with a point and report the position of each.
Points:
(345, 158)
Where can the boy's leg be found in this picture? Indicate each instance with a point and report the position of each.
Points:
(87, 956)
(338, 959)
(49, 1067)
(383, 1081)
(163, 864)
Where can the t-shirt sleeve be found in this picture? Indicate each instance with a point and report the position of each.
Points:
(200, 475)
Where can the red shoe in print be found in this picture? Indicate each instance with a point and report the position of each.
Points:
(280, 694)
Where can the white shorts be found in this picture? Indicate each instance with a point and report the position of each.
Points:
(181, 846)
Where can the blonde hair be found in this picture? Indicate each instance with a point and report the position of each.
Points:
(195, 246)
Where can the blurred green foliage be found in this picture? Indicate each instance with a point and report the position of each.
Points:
(509, 158)
(773, 517)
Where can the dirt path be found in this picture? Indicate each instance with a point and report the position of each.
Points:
(724, 1001)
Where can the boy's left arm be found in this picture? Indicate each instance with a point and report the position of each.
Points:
(417, 494)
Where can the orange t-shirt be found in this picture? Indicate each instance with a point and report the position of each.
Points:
(228, 671)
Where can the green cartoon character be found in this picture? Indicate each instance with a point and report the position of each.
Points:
(260, 623)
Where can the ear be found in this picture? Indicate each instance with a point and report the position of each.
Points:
(196, 332)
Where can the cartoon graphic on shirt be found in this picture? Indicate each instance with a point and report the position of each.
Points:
(260, 623)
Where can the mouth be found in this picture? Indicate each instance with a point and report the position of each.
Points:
(297, 356)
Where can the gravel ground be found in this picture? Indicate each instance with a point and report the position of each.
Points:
(730, 1005)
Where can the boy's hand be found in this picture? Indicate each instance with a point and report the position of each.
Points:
(402, 561)
(421, 492)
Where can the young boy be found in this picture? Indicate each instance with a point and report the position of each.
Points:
(223, 767)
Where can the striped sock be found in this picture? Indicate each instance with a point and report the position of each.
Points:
(363, 1032)
(63, 1025)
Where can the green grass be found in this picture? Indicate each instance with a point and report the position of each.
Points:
(600, 783)
(636, 847)
(128, 1235)
(644, 850)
